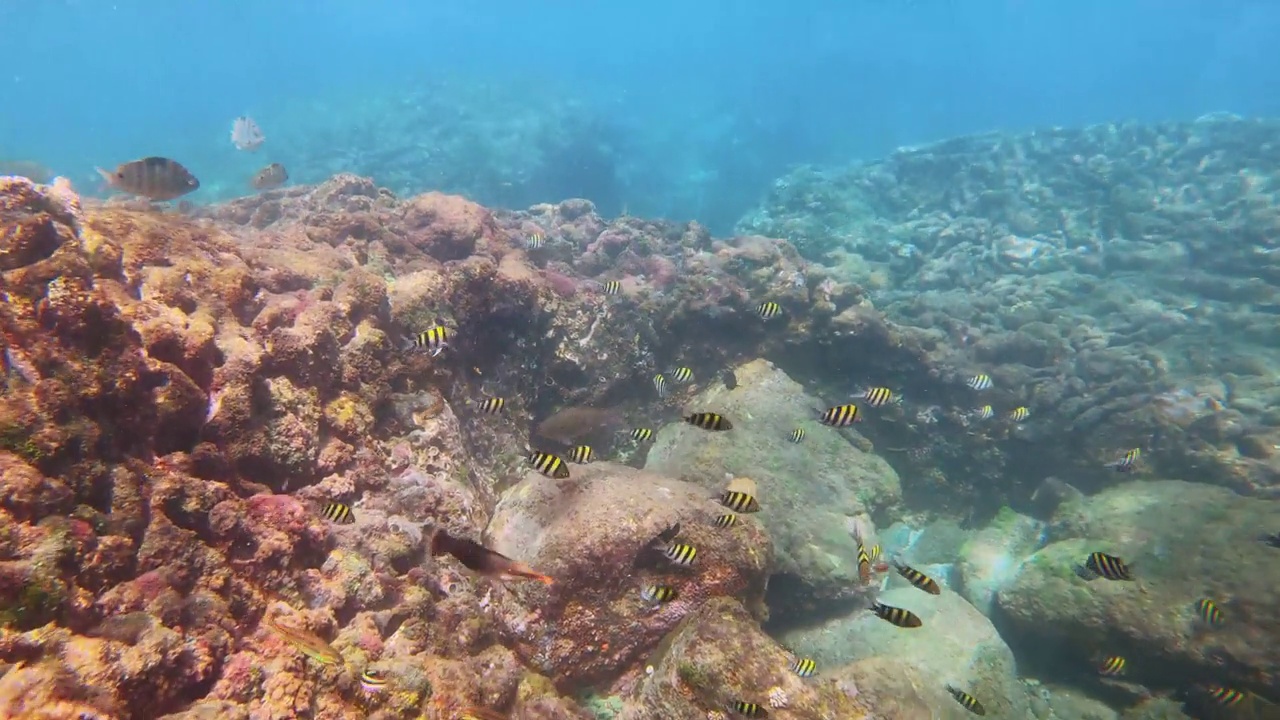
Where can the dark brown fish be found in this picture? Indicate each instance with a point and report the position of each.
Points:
(481, 559)
(270, 177)
(155, 178)
(573, 423)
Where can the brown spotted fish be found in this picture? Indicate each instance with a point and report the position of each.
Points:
(270, 177)
(155, 178)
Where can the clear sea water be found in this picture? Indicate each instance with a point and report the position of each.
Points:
(698, 105)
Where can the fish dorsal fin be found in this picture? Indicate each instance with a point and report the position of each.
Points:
(743, 485)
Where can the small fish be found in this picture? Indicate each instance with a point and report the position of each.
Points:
(709, 421)
(547, 464)
(535, 241)
(1208, 612)
(969, 702)
(875, 553)
(642, 434)
(986, 412)
(269, 177)
(727, 520)
(768, 310)
(307, 643)
(1019, 414)
(897, 616)
(919, 579)
(660, 384)
(864, 565)
(490, 406)
(612, 287)
(1272, 539)
(797, 435)
(339, 513)
(1126, 463)
(1226, 697)
(804, 667)
(435, 339)
(372, 680)
(730, 379)
(1111, 666)
(477, 713)
(655, 551)
(478, 558)
(658, 594)
(878, 396)
(979, 382)
(839, 416)
(580, 454)
(246, 135)
(681, 554)
(1100, 564)
(155, 178)
(749, 709)
(682, 375)
(739, 501)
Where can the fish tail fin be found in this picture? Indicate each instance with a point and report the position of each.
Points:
(524, 571)
(107, 177)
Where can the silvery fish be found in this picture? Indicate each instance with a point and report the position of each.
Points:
(155, 178)
(246, 135)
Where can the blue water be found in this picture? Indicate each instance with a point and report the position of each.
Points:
(698, 105)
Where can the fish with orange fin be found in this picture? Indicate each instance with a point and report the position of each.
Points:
(307, 643)
(481, 559)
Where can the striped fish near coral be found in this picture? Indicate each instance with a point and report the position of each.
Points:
(581, 454)
(155, 178)
(338, 513)
(553, 466)
(1112, 666)
(896, 615)
(918, 579)
(739, 501)
(839, 416)
(968, 701)
(879, 396)
(435, 339)
(307, 643)
(1100, 564)
(682, 375)
(372, 680)
(709, 421)
(489, 406)
(726, 520)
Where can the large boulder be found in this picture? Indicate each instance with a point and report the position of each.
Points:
(991, 557)
(585, 532)
(1185, 542)
(719, 656)
(957, 645)
(810, 491)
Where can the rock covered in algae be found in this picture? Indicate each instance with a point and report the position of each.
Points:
(717, 656)
(956, 646)
(809, 491)
(1184, 542)
(991, 557)
(586, 532)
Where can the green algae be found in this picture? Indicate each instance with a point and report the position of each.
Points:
(36, 604)
(17, 440)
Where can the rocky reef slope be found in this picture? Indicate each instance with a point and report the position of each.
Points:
(1119, 281)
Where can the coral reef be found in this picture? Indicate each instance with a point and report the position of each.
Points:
(1118, 280)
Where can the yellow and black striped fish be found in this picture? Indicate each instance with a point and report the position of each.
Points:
(580, 454)
(1224, 696)
(682, 375)
(768, 310)
(877, 396)
(660, 384)
(726, 520)
(969, 702)
(840, 416)
(535, 241)
(797, 435)
(919, 579)
(642, 434)
(874, 552)
(681, 553)
(550, 465)
(1019, 414)
(612, 287)
(1112, 666)
(372, 680)
(897, 616)
(658, 594)
(739, 501)
(490, 406)
(986, 412)
(1127, 462)
(434, 339)
(981, 381)
(1100, 564)
(749, 709)
(709, 421)
(804, 667)
(339, 513)
(864, 565)
(1208, 612)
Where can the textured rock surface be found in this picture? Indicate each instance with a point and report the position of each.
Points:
(956, 645)
(586, 532)
(809, 491)
(1185, 542)
(991, 558)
